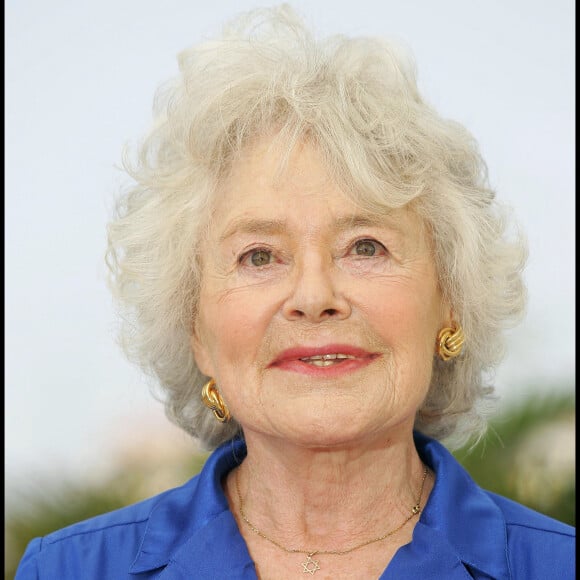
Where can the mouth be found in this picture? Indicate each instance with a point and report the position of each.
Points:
(329, 358)
(326, 360)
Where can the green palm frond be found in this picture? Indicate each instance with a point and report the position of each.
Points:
(528, 455)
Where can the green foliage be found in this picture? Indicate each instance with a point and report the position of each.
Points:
(37, 511)
(518, 456)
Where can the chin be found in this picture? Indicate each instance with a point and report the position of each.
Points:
(329, 434)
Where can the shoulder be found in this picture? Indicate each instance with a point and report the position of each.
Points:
(103, 544)
(538, 546)
(520, 516)
(489, 532)
(110, 522)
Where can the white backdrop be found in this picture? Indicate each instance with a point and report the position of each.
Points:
(80, 78)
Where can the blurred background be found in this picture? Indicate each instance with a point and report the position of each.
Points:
(82, 432)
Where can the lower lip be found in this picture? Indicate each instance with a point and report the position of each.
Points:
(349, 365)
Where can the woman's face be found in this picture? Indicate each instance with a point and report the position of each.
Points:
(318, 320)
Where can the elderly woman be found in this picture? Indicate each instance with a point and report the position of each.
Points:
(313, 266)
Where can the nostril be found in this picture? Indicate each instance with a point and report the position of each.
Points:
(326, 313)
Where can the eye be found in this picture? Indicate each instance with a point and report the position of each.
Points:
(259, 257)
(368, 248)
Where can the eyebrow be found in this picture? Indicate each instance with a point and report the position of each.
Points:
(273, 227)
(253, 226)
(365, 221)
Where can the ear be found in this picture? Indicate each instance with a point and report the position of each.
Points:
(447, 315)
(201, 353)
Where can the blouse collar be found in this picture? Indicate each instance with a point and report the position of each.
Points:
(192, 528)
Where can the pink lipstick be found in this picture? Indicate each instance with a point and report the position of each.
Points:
(325, 361)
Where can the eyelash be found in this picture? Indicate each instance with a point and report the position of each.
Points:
(370, 241)
(248, 254)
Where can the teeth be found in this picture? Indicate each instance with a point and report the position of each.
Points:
(325, 360)
(322, 363)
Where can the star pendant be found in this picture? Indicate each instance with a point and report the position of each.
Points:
(310, 566)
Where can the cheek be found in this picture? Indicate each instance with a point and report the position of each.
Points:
(408, 327)
(233, 324)
(221, 335)
(406, 319)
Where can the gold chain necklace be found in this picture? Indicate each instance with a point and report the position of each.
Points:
(310, 566)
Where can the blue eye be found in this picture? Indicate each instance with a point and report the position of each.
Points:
(367, 248)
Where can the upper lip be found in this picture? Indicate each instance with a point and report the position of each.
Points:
(302, 352)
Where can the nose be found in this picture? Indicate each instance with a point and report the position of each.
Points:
(315, 296)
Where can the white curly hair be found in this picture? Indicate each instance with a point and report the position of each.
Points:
(357, 100)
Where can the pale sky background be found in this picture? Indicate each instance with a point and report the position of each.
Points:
(80, 80)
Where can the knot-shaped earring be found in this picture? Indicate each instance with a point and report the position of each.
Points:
(213, 400)
(450, 342)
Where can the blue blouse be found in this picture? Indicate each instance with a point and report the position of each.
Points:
(464, 532)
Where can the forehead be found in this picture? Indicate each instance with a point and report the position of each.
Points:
(268, 188)
(267, 166)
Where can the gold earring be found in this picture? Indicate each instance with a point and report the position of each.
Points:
(450, 342)
(213, 400)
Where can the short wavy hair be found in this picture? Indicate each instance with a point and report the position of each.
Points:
(356, 100)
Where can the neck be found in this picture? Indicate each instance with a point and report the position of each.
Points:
(327, 498)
